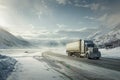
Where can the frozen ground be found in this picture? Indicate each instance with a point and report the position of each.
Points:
(83, 69)
(6, 66)
(28, 68)
(33, 65)
(111, 53)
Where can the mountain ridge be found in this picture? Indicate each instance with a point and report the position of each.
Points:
(8, 40)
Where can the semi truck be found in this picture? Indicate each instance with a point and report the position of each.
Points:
(83, 48)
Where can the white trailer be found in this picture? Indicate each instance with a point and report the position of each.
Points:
(83, 48)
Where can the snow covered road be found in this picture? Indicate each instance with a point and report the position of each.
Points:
(84, 69)
(31, 69)
(28, 68)
(33, 65)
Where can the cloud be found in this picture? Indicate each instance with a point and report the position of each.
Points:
(63, 2)
(61, 25)
(95, 6)
(20, 16)
(80, 5)
(3, 7)
(73, 30)
(90, 18)
(92, 6)
(103, 17)
(41, 8)
(76, 33)
(59, 34)
(110, 20)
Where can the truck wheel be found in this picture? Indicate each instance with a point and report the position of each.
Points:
(87, 56)
(97, 57)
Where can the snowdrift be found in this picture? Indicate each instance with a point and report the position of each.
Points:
(111, 53)
(6, 66)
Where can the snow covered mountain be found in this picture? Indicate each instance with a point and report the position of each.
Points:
(98, 33)
(7, 40)
(101, 38)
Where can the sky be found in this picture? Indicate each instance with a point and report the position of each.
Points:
(58, 19)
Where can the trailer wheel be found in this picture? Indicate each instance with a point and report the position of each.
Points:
(69, 54)
(76, 55)
(86, 55)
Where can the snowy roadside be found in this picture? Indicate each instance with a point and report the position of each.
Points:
(6, 66)
(111, 53)
(89, 71)
(108, 53)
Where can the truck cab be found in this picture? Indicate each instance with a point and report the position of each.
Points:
(92, 51)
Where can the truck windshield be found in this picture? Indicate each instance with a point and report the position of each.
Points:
(90, 45)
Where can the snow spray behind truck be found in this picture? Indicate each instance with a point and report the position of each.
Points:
(83, 48)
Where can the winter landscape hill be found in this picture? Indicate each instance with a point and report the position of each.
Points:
(103, 37)
(8, 40)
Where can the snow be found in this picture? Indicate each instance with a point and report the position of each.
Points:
(111, 53)
(8, 40)
(6, 66)
(91, 70)
(105, 35)
(58, 50)
(108, 37)
(28, 68)
(31, 69)
(108, 53)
